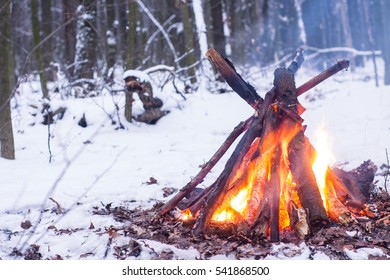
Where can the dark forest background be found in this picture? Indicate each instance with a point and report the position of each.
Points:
(87, 37)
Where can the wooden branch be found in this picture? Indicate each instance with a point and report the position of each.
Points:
(340, 65)
(235, 81)
(190, 186)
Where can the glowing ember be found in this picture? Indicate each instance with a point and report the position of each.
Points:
(185, 215)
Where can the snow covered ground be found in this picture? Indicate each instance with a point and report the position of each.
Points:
(100, 164)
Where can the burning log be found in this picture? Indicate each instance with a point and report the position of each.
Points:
(304, 177)
(268, 184)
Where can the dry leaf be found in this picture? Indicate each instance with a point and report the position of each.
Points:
(152, 181)
(26, 224)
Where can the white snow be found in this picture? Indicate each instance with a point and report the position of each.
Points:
(100, 164)
(363, 253)
(144, 77)
(351, 233)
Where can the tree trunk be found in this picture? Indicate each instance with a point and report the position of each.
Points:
(369, 27)
(7, 149)
(69, 40)
(358, 28)
(48, 54)
(37, 40)
(189, 42)
(131, 35)
(386, 39)
(130, 54)
(85, 56)
(203, 42)
(217, 26)
(111, 35)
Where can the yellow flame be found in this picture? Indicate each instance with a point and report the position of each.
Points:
(240, 201)
(185, 215)
(223, 216)
(322, 161)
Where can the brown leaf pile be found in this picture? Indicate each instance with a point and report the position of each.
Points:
(332, 239)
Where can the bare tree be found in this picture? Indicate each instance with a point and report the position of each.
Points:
(69, 34)
(202, 39)
(6, 84)
(189, 42)
(386, 38)
(85, 57)
(218, 34)
(37, 40)
(131, 51)
(46, 26)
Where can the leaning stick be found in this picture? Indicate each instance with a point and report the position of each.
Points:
(340, 65)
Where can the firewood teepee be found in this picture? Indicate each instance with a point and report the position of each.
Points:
(268, 183)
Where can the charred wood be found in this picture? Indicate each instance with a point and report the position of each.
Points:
(235, 81)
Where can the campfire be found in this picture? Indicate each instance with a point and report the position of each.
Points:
(274, 181)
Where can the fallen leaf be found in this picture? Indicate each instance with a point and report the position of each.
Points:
(113, 233)
(83, 256)
(57, 258)
(152, 181)
(26, 224)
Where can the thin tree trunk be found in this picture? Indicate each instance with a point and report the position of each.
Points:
(386, 38)
(37, 40)
(189, 43)
(203, 43)
(85, 56)
(48, 46)
(69, 39)
(131, 54)
(346, 29)
(369, 27)
(217, 25)
(111, 34)
(7, 148)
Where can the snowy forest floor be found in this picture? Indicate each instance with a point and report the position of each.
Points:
(68, 208)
